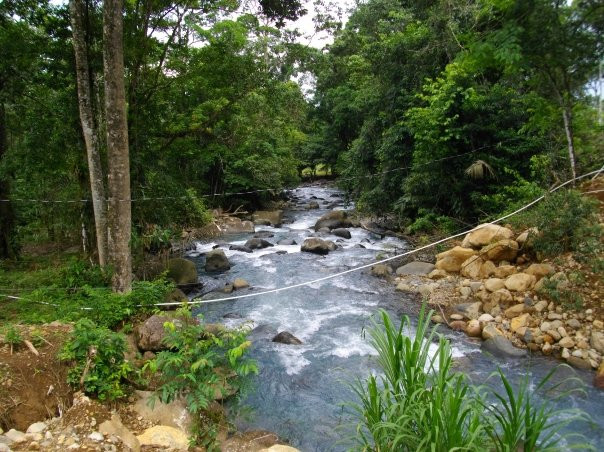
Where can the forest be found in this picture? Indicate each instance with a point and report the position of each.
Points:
(128, 126)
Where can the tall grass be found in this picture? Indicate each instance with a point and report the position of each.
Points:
(421, 404)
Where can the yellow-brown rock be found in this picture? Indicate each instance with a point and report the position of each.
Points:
(490, 330)
(485, 234)
(451, 260)
(501, 296)
(503, 250)
(514, 311)
(503, 271)
(519, 322)
(471, 267)
(488, 269)
(520, 282)
(473, 328)
(494, 284)
(599, 380)
(539, 270)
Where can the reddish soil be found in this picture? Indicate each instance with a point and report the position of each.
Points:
(33, 388)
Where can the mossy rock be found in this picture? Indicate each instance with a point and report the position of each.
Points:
(183, 272)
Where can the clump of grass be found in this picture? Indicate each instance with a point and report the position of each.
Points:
(420, 403)
(12, 337)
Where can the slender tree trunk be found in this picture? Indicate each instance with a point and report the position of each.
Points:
(568, 129)
(117, 147)
(7, 215)
(95, 169)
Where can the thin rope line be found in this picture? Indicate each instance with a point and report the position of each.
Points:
(362, 267)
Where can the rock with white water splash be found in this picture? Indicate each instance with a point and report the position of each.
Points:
(285, 337)
(316, 245)
(216, 261)
(258, 244)
(240, 283)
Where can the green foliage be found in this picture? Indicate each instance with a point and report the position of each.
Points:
(12, 336)
(97, 357)
(567, 221)
(199, 364)
(411, 95)
(422, 404)
(70, 290)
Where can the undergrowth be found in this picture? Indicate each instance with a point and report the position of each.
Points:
(199, 365)
(420, 403)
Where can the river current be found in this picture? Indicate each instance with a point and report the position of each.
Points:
(301, 391)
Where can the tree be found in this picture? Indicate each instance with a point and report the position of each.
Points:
(119, 208)
(89, 128)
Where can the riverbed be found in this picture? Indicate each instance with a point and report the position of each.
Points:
(301, 391)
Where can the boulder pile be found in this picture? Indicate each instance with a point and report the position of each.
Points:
(493, 290)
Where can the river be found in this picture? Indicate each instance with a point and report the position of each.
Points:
(301, 390)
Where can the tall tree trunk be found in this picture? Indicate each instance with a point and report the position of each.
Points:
(568, 129)
(95, 169)
(8, 249)
(117, 147)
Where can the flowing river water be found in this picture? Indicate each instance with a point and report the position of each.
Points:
(301, 390)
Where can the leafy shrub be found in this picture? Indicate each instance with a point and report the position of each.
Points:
(421, 404)
(78, 273)
(12, 337)
(567, 221)
(100, 304)
(198, 364)
(97, 354)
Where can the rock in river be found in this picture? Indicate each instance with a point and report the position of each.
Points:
(317, 246)
(257, 244)
(285, 337)
(183, 272)
(333, 220)
(342, 232)
(216, 261)
(241, 248)
(500, 346)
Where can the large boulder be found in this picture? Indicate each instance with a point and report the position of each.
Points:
(415, 268)
(150, 334)
(539, 270)
(216, 261)
(333, 220)
(342, 232)
(234, 225)
(183, 272)
(520, 282)
(285, 337)
(501, 346)
(502, 250)
(257, 244)
(165, 437)
(174, 414)
(471, 267)
(494, 284)
(273, 217)
(485, 234)
(452, 259)
(316, 245)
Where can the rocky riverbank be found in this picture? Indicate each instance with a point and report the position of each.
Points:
(489, 287)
